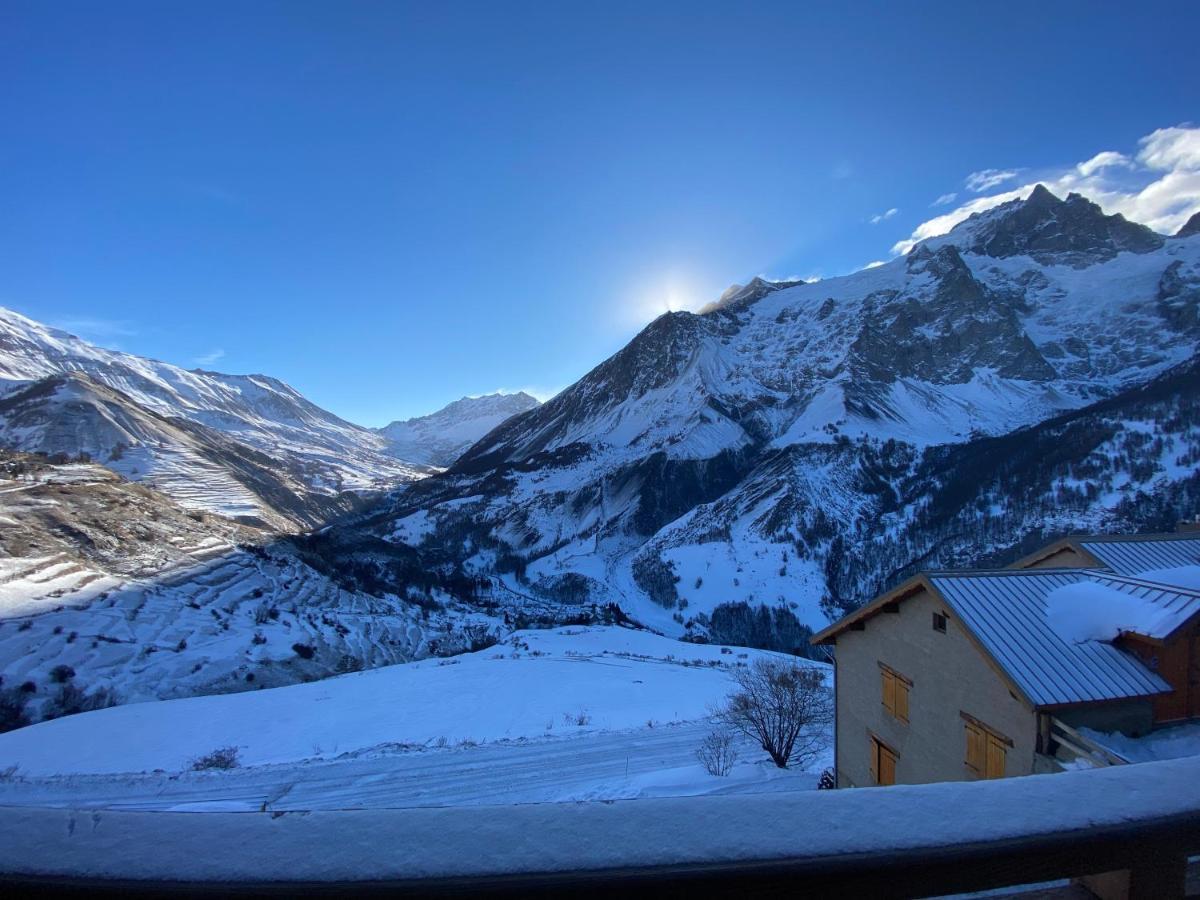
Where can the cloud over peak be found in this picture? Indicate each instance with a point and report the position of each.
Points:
(1159, 186)
(986, 179)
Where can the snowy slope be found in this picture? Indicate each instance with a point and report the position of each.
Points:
(794, 445)
(536, 684)
(440, 438)
(325, 454)
(143, 599)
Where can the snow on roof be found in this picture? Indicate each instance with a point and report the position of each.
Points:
(1008, 612)
(1166, 604)
(1131, 554)
(1101, 607)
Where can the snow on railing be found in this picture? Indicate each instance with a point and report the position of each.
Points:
(1010, 831)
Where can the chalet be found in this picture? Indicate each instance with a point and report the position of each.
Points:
(962, 675)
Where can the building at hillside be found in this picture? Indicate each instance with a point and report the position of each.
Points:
(965, 675)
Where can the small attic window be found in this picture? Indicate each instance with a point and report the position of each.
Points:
(939, 622)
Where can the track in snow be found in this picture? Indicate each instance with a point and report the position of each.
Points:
(650, 761)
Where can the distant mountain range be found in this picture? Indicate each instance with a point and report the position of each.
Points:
(248, 447)
(440, 438)
(797, 447)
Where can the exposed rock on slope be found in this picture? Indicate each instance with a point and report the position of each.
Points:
(110, 592)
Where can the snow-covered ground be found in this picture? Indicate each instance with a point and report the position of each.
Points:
(574, 713)
(1172, 742)
(594, 765)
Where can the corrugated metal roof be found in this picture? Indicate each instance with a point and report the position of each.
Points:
(1171, 606)
(1006, 611)
(1135, 555)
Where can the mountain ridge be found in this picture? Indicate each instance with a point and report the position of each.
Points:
(782, 416)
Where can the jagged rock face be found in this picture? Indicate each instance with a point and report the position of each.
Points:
(946, 331)
(1179, 296)
(1073, 231)
(753, 453)
(440, 438)
(1190, 227)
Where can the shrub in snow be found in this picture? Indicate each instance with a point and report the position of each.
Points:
(221, 758)
(717, 753)
(784, 707)
(583, 717)
(827, 781)
(71, 700)
(62, 674)
(12, 709)
(304, 651)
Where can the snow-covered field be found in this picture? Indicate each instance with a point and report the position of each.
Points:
(570, 714)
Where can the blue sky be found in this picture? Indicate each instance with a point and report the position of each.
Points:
(390, 206)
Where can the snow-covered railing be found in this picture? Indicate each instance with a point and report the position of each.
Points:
(900, 841)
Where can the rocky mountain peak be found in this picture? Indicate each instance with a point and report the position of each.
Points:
(1073, 232)
(1190, 227)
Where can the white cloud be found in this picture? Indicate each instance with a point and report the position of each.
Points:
(945, 198)
(876, 219)
(986, 179)
(1103, 160)
(875, 264)
(1158, 187)
(209, 358)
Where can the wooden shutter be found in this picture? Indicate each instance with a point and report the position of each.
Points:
(976, 748)
(996, 755)
(889, 692)
(901, 700)
(887, 766)
(874, 761)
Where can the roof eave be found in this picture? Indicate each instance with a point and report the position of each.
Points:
(906, 588)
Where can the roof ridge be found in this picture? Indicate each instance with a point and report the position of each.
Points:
(1049, 570)
(1134, 538)
(1146, 582)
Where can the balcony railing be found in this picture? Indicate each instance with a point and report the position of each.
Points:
(881, 842)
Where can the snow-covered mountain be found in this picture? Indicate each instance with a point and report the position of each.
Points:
(758, 452)
(440, 438)
(243, 445)
(141, 599)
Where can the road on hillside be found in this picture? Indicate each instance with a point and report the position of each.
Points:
(657, 761)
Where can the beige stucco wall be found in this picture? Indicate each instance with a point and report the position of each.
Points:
(949, 675)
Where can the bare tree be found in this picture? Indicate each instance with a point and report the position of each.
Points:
(783, 706)
(717, 753)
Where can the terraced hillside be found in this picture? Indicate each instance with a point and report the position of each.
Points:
(110, 592)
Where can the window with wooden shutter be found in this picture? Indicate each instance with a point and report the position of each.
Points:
(883, 763)
(895, 692)
(987, 750)
(976, 749)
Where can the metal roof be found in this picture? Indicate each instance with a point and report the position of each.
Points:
(1134, 555)
(1168, 607)
(1006, 611)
